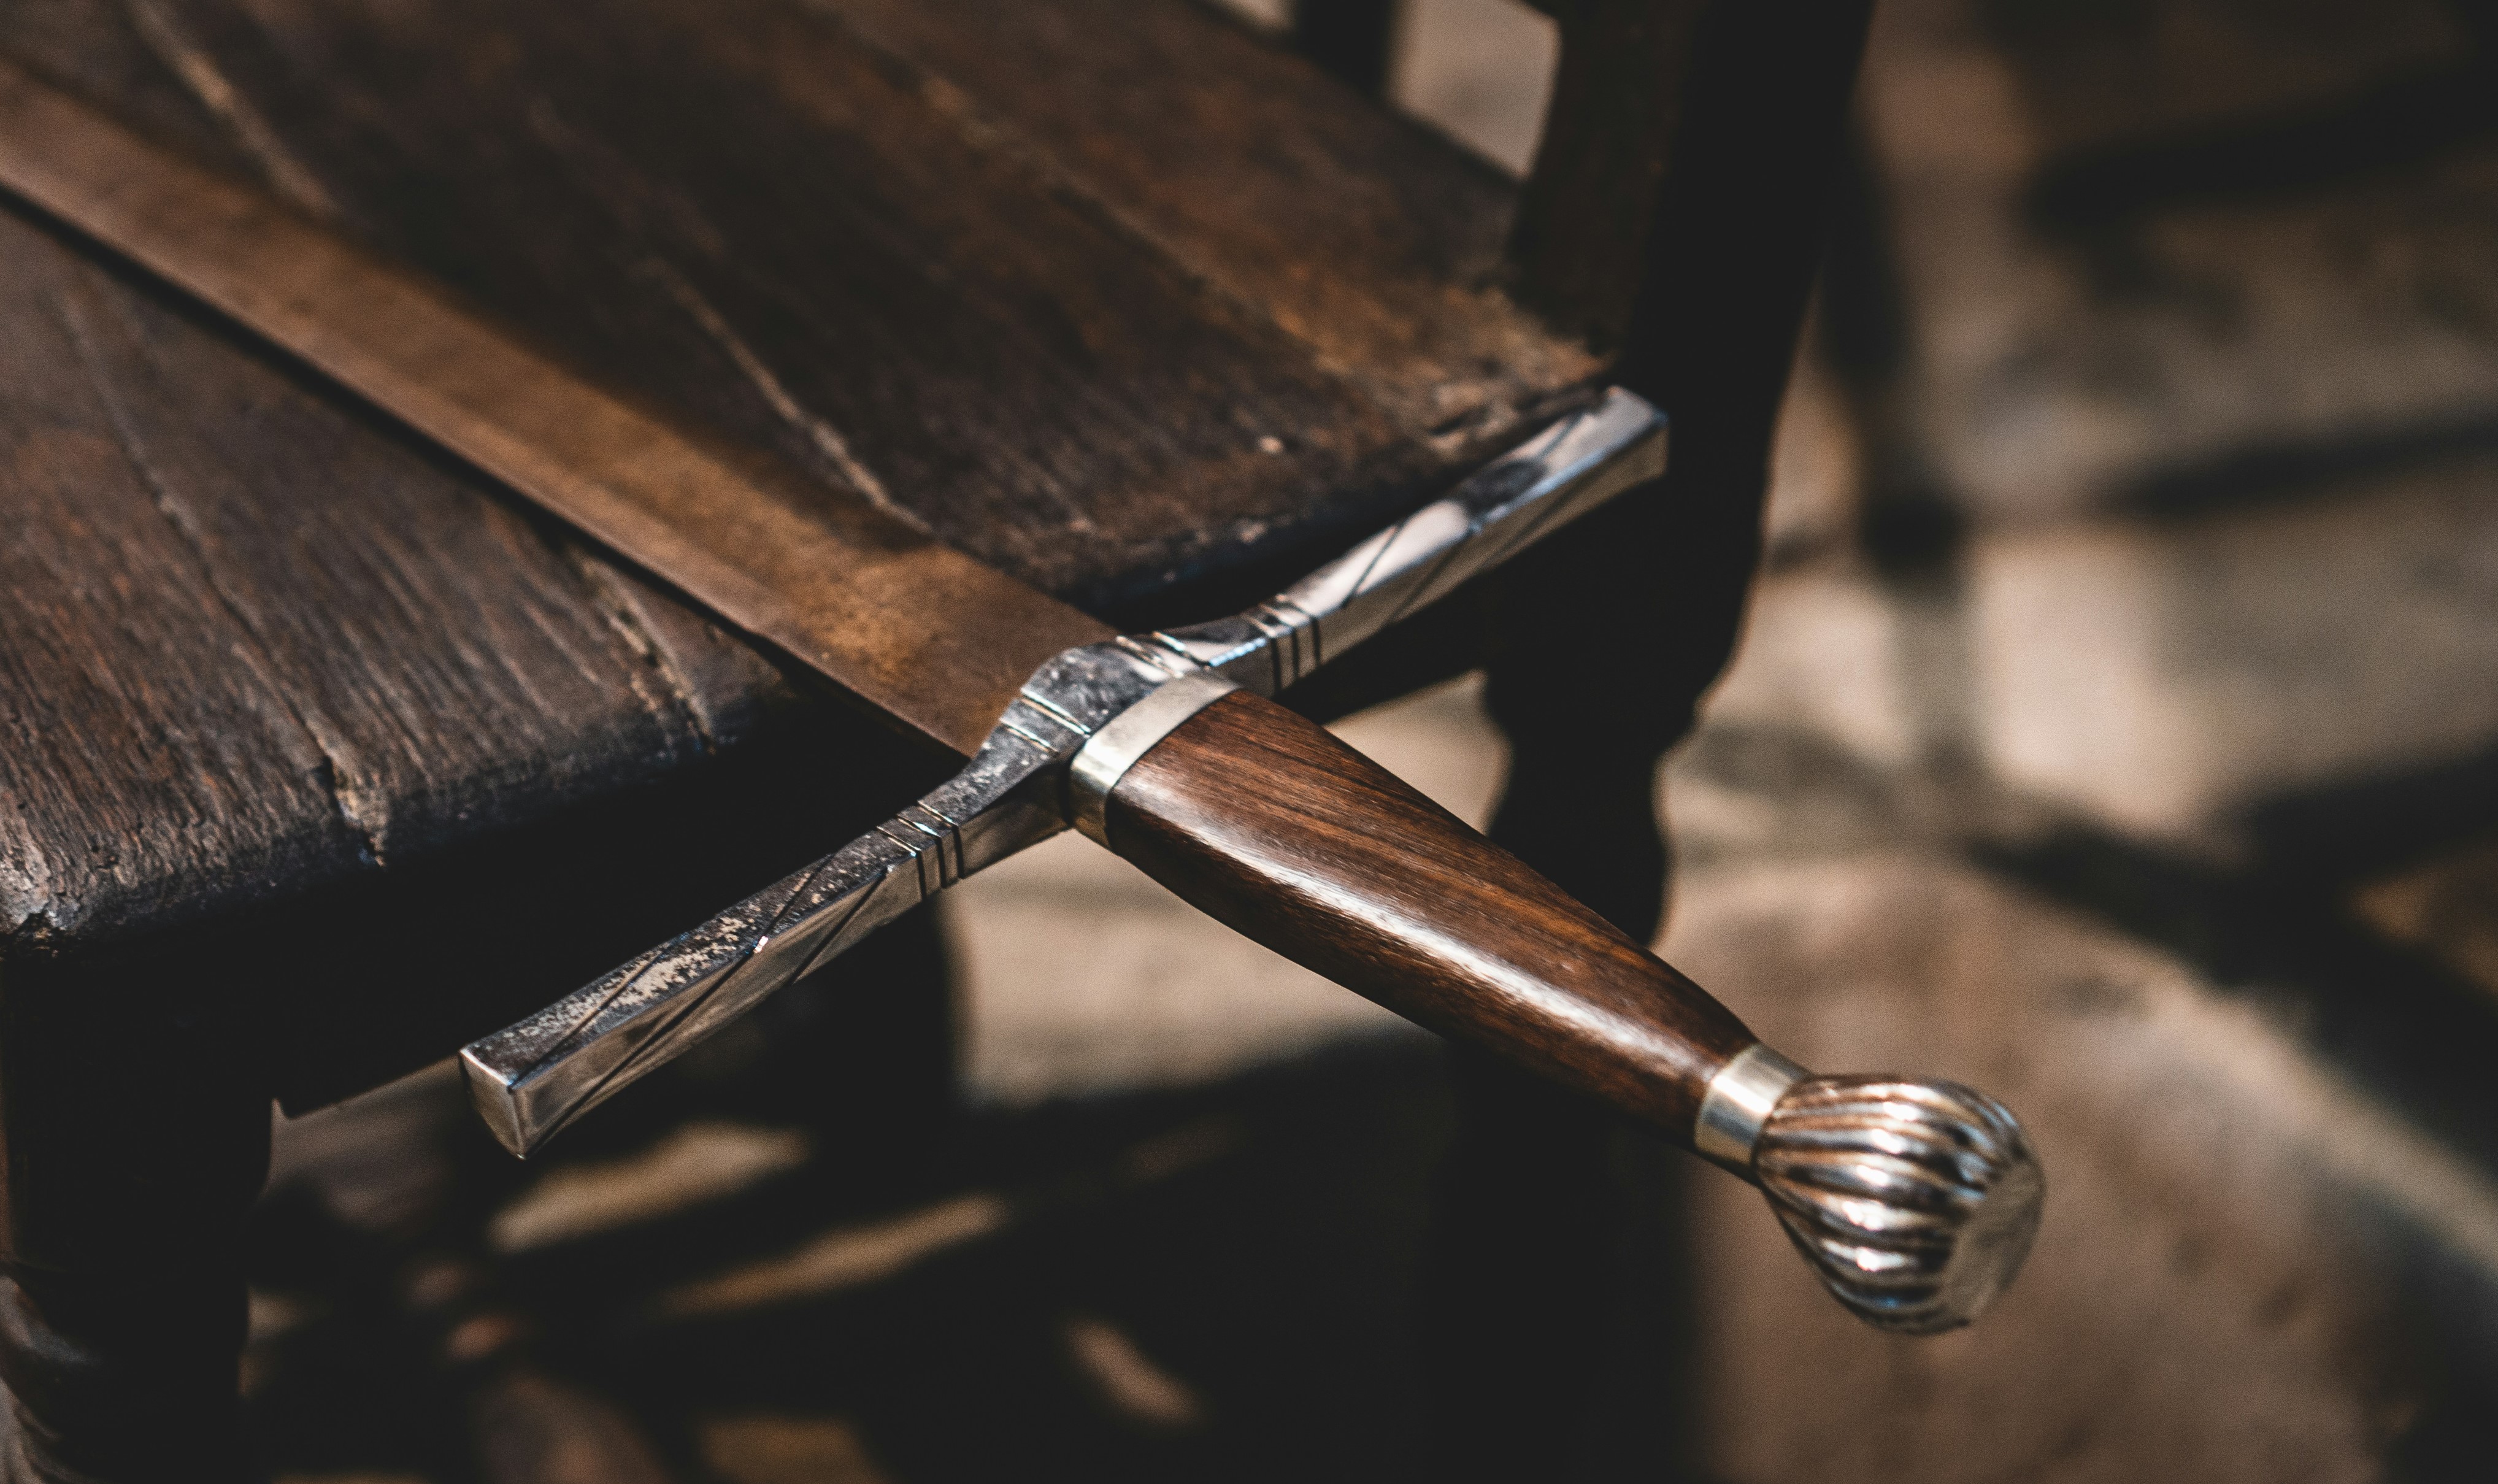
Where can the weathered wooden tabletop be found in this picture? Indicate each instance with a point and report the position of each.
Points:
(1106, 292)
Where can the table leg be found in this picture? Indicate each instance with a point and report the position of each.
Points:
(1604, 641)
(135, 1145)
(122, 1376)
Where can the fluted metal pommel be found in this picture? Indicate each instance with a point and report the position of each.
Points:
(1914, 1201)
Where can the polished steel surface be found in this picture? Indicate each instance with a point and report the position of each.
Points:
(921, 633)
(1737, 1105)
(1566, 470)
(533, 1078)
(1915, 1202)
(1106, 757)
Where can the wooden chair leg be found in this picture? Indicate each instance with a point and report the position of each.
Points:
(1348, 38)
(137, 1138)
(124, 1378)
(1604, 641)
(1604, 638)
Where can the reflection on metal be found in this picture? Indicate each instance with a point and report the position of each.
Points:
(1915, 1202)
(533, 1078)
(1737, 1105)
(1106, 756)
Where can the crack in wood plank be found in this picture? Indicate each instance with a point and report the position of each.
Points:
(364, 812)
(600, 581)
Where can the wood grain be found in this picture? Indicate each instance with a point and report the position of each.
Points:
(1362, 235)
(212, 696)
(1264, 821)
(1082, 297)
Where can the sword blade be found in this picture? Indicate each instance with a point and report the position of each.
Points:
(933, 639)
(531, 1080)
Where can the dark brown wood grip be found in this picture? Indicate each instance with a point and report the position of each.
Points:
(1263, 820)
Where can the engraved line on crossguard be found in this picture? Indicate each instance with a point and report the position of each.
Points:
(536, 1077)
(1040, 700)
(1291, 639)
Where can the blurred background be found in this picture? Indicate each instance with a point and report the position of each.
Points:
(2116, 728)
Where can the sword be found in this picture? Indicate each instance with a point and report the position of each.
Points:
(1914, 1201)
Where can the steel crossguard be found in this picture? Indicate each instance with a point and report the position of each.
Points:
(1914, 1201)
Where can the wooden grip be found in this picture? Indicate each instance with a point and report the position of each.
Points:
(1265, 821)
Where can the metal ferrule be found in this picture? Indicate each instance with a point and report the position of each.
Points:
(1738, 1104)
(1073, 731)
(1107, 755)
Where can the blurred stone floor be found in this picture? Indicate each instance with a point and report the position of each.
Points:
(2116, 729)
